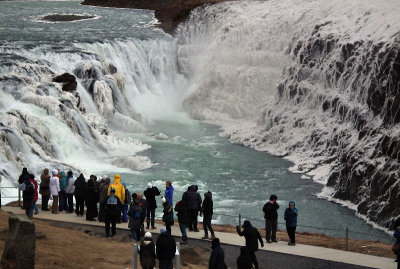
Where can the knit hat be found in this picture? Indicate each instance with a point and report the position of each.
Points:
(54, 172)
(163, 230)
(147, 234)
(163, 200)
(149, 185)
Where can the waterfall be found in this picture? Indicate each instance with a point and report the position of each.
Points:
(316, 82)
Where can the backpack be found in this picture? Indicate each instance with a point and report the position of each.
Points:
(29, 188)
(136, 211)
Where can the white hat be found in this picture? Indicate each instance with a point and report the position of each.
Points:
(54, 172)
(147, 234)
(149, 185)
(163, 200)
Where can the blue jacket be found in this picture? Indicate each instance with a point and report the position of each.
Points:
(397, 236)
(63, 181)
(291, 215)
(169, 193)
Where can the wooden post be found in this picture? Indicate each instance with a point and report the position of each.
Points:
(135, 252)
(240, 221)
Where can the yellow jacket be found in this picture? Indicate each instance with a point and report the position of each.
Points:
(119, 189)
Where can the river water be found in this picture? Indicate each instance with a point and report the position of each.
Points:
(240, 178)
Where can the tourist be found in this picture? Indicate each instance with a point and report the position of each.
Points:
(147, 252)
(166, 248)
(168, 216)
(62, 195)
(24, 176)
(291, 222)
(207, 211)
(103, 190)
(217, 257)
(126, 204)
(113, 212)
(134, 214)
(119, 191)
(79, 193)
(252, 235)
(396, 246)
(271, 218)
(169, 192)
(244, 260)
(193, 202)
(28, 196)
(35, 193)
(151, 192)
(69, 190)
(144, 205)
(44, 189)
(54, 190)
(183, 219)
(91, 198)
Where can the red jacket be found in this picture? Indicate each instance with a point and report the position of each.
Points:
(35, 197)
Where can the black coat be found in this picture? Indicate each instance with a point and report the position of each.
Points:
(112, 210)
(92, 192)
(166, 247)
(252, 235)
(271, 211)
(192, 198)
(217, 258)
(80, 186)
(181, 210)
(147, 253)
(207, 207)
(151, 194)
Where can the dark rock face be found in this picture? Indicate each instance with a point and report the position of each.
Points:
(66, 17)
(363, 144)
(19, 249)
(68, 81)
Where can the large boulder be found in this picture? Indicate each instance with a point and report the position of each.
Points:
(68, 81)
(19, 249)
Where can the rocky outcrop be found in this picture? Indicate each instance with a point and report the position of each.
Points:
(68, 81)
(66, 17)
(169, 12)
(19, 249)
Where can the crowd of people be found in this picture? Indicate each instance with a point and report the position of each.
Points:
(113, 203)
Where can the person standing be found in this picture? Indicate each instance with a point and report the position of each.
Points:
(252, 235)
(54, 190)
(271, 218)
(183, 219)
(193, 201)
(126, 203)
(144, 206)
(166, 248)
(147, 252)
(91, 198)
(69, 190)
(207, 211)
(28, 196)
(396, 246)
(217, 257)
(119, 191)
(169, 192)
(35, 194)
(134, 214)
(80, 188)
(22, 178)
(151, 192)
(103, 197)
(62, 195)
(168, 216)
(291, 222)
(44, 189)
(113, 212)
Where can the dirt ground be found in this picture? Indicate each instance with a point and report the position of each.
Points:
(71, 246)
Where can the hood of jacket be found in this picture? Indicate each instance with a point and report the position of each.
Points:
(208, 195)
(63, 174)
(117, 179)
(215, 243)
(246, 224)
(292, 202)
